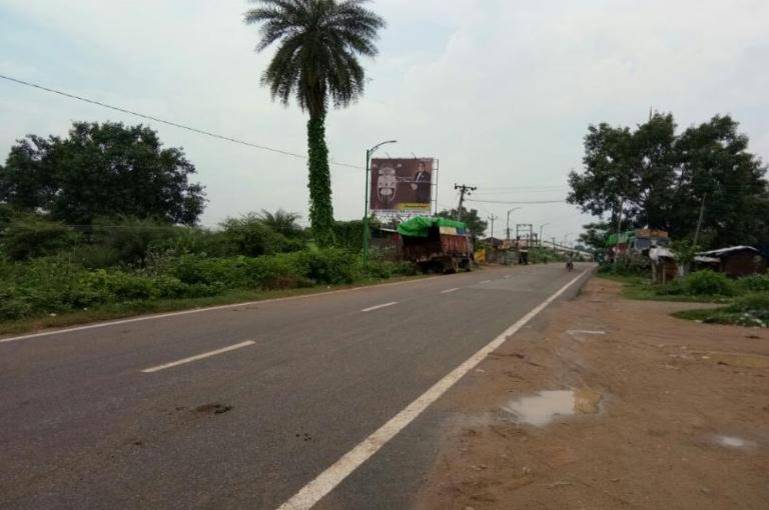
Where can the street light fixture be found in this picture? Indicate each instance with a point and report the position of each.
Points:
(366, 233)
(508, 221)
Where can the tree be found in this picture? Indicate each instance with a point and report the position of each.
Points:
(627, 174)
(595, 235)
(101, 170)
(475, 225)
(716, 170)
(316, 61)
(282, 222)
(653, 177)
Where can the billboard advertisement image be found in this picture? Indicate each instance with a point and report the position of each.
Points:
(401, 185)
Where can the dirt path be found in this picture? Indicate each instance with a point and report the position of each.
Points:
(666, 413)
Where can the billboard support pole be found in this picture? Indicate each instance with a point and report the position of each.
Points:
(366, 232)
(435, 172)
(365, 209)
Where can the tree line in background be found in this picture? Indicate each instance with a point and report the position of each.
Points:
(107, 216)
(653, 176)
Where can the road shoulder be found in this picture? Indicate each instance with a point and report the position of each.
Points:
(667, 414)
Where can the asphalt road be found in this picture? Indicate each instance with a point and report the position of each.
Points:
(119, 416)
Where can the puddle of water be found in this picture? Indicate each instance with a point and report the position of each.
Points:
(541, 409)
(734, 442)
(739, 360)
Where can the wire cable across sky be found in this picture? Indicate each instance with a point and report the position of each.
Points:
(519, 202)
(167, 122)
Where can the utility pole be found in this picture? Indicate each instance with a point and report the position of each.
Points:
(540, 233)
(491, 219)
(699, 221)
(463, 190)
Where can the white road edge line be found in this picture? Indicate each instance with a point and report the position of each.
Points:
(324, 483)
(485, 281)
(198, 357)
(448, 291)
(377, 307)
(142, 318)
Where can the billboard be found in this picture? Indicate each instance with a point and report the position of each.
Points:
(401, 185)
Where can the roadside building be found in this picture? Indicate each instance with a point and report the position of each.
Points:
(734, 261)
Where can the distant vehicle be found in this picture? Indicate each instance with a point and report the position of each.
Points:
(436, 245)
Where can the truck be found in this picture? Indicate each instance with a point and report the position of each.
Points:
(436, 245)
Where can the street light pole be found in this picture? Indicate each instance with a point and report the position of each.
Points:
(508, 221)
(366, 232)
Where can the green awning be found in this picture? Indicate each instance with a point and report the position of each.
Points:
(419, 226)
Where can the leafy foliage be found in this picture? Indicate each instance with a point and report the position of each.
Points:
(319, 182)
(754, 283)
(700, 283)
(101, 170)
(27, 236)
(250, 235)
(653, 176)
(56, 284)
(282, 222)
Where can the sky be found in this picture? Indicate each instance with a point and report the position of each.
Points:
(500, 91)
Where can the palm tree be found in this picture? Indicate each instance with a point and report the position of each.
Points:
(282, 222)
(316, 62)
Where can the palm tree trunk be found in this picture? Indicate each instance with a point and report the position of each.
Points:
(321, 208)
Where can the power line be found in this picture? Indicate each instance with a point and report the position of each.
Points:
(518, 202)
(541, 186)
(512, 192)
(167, 122)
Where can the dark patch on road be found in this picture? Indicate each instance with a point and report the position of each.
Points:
(213, 408)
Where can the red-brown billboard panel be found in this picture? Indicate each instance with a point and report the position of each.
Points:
(401, 185)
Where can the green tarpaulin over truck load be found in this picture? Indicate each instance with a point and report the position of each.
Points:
(621, 238)
(419, 226)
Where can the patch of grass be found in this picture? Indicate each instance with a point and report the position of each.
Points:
(751, 311)
(638, 288)
(133, 308)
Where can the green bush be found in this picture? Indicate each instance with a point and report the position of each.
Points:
(751, 311)
(700, 283)
(96, 256)
(754, 283)
(329, 265)
(708, 283)
(627, 266)
(250, 236)
(132, 239)
(30, 236)
(387, 269)
(751, 303)
(56, 284)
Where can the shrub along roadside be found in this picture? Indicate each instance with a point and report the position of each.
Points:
(55, 285)
(751, 310)
(747, 298)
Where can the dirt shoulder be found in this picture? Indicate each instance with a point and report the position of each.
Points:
(667, 413)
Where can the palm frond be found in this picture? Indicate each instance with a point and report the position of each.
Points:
(319, 42)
